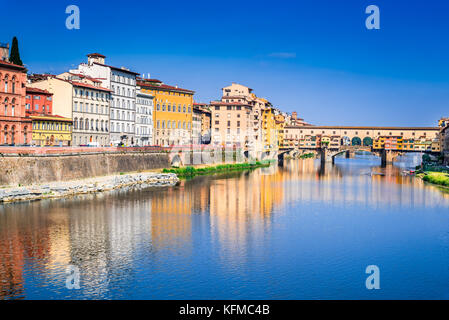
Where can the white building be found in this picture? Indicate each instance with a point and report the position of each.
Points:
(122, 83)
(90, 110)
(144, 118)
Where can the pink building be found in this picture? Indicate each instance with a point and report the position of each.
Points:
(15, 128)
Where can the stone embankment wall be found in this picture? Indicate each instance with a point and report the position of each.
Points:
(87, 186)
(27, 170)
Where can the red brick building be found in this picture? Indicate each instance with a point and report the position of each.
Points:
(15, 128)
(38, 101)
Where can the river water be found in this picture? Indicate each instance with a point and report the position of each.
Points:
(297, 232)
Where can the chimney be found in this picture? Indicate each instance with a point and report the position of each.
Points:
(4, 52)
(294, 115)
(149, 76)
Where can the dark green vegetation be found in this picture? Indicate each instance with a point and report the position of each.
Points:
(192, 171)
(14, 57)
(307, 156)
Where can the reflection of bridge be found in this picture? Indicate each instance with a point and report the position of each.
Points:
(386, 155)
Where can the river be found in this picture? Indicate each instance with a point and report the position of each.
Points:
(294, 232)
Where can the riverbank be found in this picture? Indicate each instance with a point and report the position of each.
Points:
(186, 172)
(87, 186)
(437, 178)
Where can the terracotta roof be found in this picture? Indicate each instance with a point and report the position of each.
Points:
(50, 117)
(85, 85)
(220, 103)
(149, 80)
(115, 68)
(96, 55)
(86, 77)
(11, 65)
(163, 87)
(36, 90)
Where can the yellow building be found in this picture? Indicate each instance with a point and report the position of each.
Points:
(49, 130)
(269, 137)
(379, 143)
(173, 110)
(280, 125)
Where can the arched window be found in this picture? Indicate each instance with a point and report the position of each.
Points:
(6, 84)
(13, 134)
(75, 123)
(13, 102)
(6, 106)
(5, 135)
(106, 126)
(25, 135)
(13, 84)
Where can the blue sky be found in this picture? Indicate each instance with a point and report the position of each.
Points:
(315, 57)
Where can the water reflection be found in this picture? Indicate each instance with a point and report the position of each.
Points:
(175, 242)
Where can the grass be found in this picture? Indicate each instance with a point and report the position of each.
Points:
(191, 171)
(439, 178)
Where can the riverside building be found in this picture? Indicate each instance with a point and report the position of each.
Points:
(15, 127)
(144, 118)
(122, 83)
(84, 100)
(173, 110)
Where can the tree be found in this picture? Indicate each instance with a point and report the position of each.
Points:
(14, 57)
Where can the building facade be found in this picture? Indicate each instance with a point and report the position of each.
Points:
(122, 83)
(84, 100)
(231, 124)
(38, 101)
(196, 125)
(173, 112)
(144, 118)
(90, 110)
(49, 130)
(204, 109)
(445, 145)
(15, 127)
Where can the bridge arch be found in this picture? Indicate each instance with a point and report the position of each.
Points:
(345, 141)
(367, 141)
(356, 141)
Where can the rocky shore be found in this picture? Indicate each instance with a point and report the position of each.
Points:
(87, 186)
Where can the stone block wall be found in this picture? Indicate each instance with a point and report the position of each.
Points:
(28, 170)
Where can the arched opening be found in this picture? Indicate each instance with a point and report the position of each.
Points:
(25, 135)
(6, 106)
(367, 141)
(13, 135)
(356, 141)
(345, 141)
(5, 135)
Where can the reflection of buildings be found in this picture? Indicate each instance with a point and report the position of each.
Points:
(171, 217)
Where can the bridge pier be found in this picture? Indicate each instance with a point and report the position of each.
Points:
(323, 154)
(386, 157)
